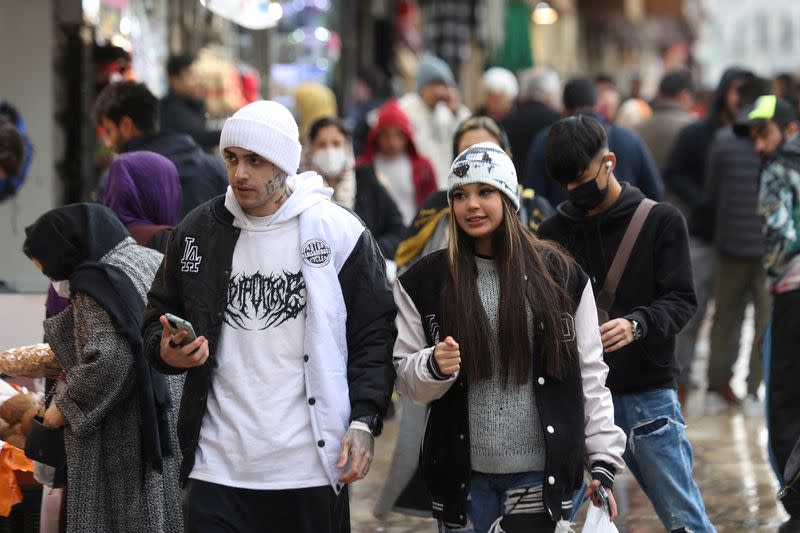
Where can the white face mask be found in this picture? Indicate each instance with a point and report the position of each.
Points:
(330, 161)
(61, 288)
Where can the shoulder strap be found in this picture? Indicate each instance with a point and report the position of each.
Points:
(609, 291)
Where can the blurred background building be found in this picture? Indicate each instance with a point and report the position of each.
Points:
(57, 54)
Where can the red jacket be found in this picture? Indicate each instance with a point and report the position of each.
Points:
(391, 114)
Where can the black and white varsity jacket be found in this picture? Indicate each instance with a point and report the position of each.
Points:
(577, 413)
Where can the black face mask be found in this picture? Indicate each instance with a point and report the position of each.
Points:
(588, 195)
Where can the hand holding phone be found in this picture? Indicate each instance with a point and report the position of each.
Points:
(177, 324)
(180, 346)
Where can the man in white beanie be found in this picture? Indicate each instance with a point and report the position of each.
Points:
(435, 111)
(500, 91)
(291, 371)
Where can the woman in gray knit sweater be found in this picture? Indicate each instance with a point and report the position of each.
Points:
(118, 415)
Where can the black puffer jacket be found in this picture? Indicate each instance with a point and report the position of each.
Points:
(199, 294)
(732, 180)
(378, 211)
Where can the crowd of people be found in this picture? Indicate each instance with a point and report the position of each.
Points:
(530, 278)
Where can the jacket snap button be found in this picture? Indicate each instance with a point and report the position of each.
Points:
(541, 381)
(461, 436)
(551, 480)
(550, 429)
(305, 358)
(463, 486)
(312, 401)
(321, 444)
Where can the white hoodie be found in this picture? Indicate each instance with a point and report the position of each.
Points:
(279, 401)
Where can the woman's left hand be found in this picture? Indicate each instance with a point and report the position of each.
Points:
(593, 493)
(53, 417)
(616, 334)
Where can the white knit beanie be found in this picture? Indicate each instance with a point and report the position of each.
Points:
(484, 163)
(268, 129)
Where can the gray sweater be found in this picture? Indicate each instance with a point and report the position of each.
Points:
(504, 428)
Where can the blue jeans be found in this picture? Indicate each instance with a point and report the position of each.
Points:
(660, 457)
(487, 497)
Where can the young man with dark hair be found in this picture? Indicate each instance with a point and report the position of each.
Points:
(292, 373)
(684, 177)
(128, 112)
(636, 165)
(772, 124)
(183, 109)
(642, 310)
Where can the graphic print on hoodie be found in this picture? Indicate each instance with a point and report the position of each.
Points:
(256, 433)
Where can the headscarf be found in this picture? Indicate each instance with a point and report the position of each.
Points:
(144, 190)
(63, 238)
(69, 243)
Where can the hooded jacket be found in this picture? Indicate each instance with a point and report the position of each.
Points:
(203, 176)
(183, 114)
(684, 173)
(349, 317)
(635, 165)
(656, 289)
(392, 115)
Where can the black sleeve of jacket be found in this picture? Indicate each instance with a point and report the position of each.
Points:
(371, 331)
(678, 174)
(163, 297)
(393, 230)
(675, 300)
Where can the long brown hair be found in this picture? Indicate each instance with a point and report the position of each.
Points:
(533, 275)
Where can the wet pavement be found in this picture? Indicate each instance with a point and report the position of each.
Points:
(730, 467)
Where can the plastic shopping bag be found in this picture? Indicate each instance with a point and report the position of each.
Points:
(598, 521)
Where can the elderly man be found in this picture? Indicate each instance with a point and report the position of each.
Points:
(539, 99)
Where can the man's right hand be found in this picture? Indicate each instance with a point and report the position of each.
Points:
(173, 354)
(448, 356)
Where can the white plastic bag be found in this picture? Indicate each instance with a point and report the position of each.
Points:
(598, 521)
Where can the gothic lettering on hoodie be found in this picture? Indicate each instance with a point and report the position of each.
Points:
(260, 301)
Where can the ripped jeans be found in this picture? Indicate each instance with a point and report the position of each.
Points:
(660, 457)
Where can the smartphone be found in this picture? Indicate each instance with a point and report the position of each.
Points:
(177, 324)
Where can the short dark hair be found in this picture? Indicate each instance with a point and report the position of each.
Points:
(604, 78)
(580, 93)
(12, 149)
(178, 63)
(571, 146)
(324, 122)
(674, 82)
(128, 99)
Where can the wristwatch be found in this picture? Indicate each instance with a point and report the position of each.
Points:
(636, 328)
(374, 422)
